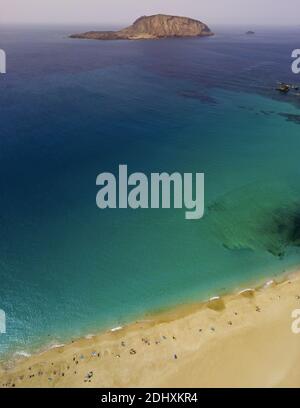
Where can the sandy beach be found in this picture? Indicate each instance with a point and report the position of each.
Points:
(241, 340)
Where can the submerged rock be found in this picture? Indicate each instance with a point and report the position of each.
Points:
(257, 218)
(291, 117)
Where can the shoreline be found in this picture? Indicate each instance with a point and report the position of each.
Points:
(152, 317)
(117, 358)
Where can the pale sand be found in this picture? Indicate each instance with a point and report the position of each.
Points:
(241, 340)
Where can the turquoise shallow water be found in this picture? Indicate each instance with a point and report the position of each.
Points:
(76, 109)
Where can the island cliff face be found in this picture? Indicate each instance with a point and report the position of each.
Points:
(153, 27)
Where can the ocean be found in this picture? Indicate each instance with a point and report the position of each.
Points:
(71, 109)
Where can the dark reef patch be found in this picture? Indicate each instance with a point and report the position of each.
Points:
(257, 219)
(291, 117)
(191, 94)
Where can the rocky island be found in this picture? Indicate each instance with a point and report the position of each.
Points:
(153, 27)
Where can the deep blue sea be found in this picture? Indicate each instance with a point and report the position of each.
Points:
(71, 109)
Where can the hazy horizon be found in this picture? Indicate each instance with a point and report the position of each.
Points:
(119, 12)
